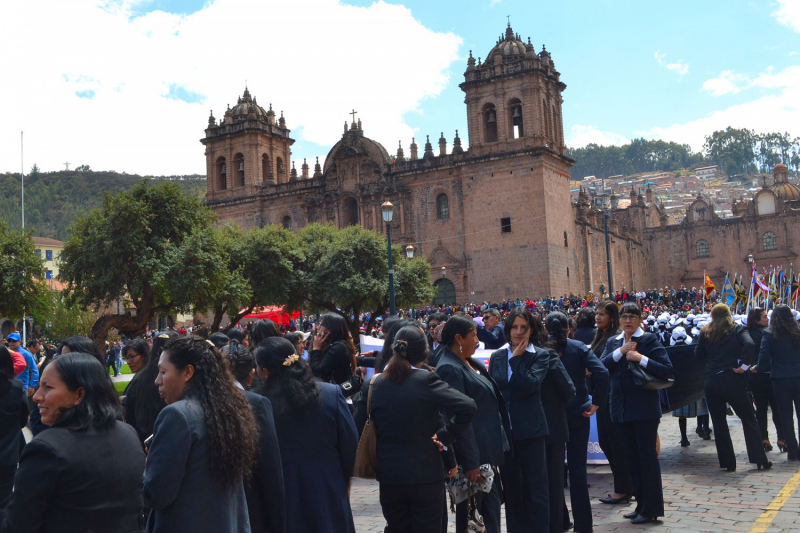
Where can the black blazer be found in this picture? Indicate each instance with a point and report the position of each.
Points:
(13, 417)
(577, 359)
(78, 481)
(494, 338)
(522, 393)
(406, 416)
(332, 366)
(627, 402)
(780, 356)
(733, 349)
(266, 501)
(484, 441)
(557, 391)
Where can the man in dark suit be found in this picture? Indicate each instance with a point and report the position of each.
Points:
(491, 333)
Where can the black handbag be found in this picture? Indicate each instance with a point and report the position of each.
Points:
(646, 381)
(351, 387)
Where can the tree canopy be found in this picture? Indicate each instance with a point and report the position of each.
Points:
(21, 273)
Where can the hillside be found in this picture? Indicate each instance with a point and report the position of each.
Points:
(54, 199)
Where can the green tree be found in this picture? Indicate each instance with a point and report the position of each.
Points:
(21, 273)
(734, 150)
(34, 170)
(60, 320)
(151, 245)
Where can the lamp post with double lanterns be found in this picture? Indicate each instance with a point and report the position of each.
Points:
(387, 209)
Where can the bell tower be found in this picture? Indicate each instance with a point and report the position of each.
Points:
(513, 98)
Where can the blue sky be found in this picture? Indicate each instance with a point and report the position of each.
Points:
(141, 76)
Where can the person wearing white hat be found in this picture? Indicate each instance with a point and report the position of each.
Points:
(662, 333)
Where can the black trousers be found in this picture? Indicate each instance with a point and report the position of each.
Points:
(787, 392)
(763, 397)
(489, 504)
(6, 488)
(727, 386)
(555, 482)
(611, 444)
(413, 508)
(526, 487)
(639, 439)
(577, 449)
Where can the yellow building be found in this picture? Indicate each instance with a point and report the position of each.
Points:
(50, 251)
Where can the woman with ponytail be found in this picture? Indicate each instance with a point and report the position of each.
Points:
(407, 400)
(204, 444)
(317, 440)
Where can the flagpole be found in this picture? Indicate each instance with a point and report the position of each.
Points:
(704, 291)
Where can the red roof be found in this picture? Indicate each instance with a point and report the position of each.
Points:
(44, 241)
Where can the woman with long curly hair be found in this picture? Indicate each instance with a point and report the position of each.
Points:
(780, 352)
(203, 447)
(761, 382)
(317, 438)
(729, 352)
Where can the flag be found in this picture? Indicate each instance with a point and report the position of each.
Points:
(708, 285)
(728, 294)
(773, 293)
(795, 286)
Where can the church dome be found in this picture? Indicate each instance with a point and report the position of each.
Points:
(786, 191)
(246, 106)
(510, 45)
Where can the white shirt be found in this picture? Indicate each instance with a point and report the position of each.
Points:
(529, 349)
(618, 354)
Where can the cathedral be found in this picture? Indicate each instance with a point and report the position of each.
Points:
(493, 217)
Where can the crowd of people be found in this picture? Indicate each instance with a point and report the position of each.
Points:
(258, 430)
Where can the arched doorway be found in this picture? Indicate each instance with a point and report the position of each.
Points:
(349, 212)
(445, 292)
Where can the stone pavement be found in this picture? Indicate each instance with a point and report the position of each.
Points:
(698, 495)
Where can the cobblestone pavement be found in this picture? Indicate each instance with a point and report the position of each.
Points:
(698, 495)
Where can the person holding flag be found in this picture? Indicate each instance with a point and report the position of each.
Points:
(728, 292)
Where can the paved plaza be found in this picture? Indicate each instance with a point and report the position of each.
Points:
(698, 495)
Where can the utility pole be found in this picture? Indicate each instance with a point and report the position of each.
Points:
(22, 179)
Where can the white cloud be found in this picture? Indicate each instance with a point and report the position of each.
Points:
(772, 113)
(96, 86)
(580, 136)
(679, 67)
(728, 83)
(494, 3)
(788, 14)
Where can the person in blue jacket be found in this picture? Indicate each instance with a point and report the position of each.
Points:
(29, 376)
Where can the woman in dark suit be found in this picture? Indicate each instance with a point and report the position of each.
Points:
(204, 444)
(333, 357)
(761, 384)
(143, 403)
(13, 417)
(317, 438)
(637, 412)
(484, 442)
(577, 359)
(780, 352)
(519, 370)
(607, 320)
(728, 351)
(406, 403)
(85, 472)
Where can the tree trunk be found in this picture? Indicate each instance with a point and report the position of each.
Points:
(125, 324)
(235, 320)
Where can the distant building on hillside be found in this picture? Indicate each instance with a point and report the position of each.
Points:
(50, 251)
(708, 173)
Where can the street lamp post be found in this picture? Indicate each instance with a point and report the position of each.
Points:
(410, 254)
(387, 209)
(606, 216)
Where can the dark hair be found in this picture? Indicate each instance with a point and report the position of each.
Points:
(492, 311)
(388, 323)
(236, 334)
(753, 316)
(557, 324)
(573, 325)
(339, 332)
(140, 347)
(386, 353)
(294, 337)
(263, 328)
(782, 323)
(290, 387)
(240, 361)
(32, 342)
(147, 402)
(82, 345)
(458, 324)
(585, 318)
(533, 323)
(630, 308)
(410, 347)
(100, 406)
(230, 425)
(601, 337)
(219, 339)
(6, 369)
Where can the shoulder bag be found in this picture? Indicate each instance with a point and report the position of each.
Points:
(367, 455)
(646, 381)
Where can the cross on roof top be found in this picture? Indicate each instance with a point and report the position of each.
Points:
(354, 114)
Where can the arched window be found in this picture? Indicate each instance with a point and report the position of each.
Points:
(770, 241)
(280, 168)
(238, 167)
(222, 174)
(442, 207)
(515, 118)
(445, 292)
(489, 123)
(266, 168)
(287, 222)
(702, 249)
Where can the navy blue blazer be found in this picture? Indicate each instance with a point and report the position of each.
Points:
(557, 391)
(494, 338)
(577, 359)
(522, 393)
(627, 402)
(780, 356)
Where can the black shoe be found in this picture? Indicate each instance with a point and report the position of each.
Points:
(569, 526)
(781, 446)
(699, 431)
(731, 468)
(707, 435)
(613, 501)
(765, 466)
(631, 516)
(767, 447)
(684, 443)
(643, 519)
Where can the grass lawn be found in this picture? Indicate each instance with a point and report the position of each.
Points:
(124, 370)
(120, 386)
